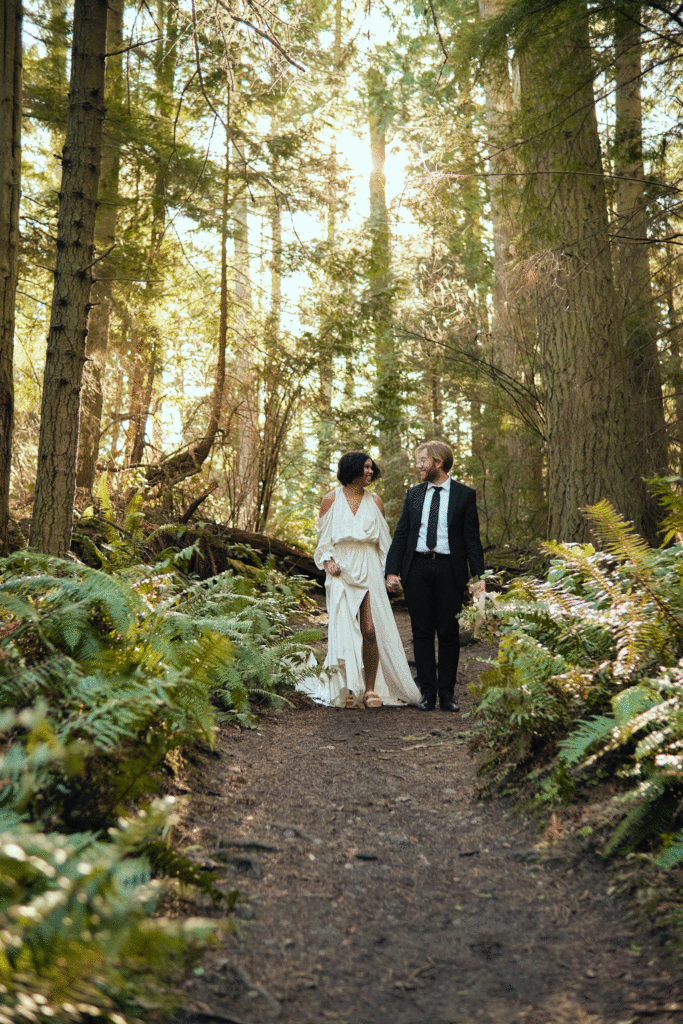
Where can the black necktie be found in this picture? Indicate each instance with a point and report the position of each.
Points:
(433, 518)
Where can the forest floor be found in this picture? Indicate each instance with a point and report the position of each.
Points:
(377, 888)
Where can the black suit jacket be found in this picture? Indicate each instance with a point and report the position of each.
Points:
(463, 533)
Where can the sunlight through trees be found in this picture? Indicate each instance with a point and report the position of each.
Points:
(319, 227)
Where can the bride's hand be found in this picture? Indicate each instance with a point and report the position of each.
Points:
(332, 567)
(393, 583)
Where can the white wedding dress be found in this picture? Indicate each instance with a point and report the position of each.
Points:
(359, 544)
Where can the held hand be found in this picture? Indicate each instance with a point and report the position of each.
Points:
(332, 568)
(393, 584)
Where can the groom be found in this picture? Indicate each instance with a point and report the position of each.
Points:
(437, 537)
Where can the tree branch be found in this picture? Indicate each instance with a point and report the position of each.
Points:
(270, 39)
(133, 46)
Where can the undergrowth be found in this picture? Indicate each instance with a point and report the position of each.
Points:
(103, 673)
(583, 704)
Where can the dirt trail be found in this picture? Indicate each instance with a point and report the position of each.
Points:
(376, 887)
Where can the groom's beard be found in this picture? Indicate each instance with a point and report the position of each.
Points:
(431, 475)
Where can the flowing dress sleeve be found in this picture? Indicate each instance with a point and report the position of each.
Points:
(384, 537)
(325, 548)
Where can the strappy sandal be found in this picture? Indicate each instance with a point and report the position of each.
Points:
(371, 700)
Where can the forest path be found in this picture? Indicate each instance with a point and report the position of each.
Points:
(380, 889)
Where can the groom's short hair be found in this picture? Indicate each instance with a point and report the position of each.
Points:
(439, 450)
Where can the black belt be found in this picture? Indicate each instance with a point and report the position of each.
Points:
(429, 554)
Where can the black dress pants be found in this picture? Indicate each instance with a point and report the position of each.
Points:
(434, 600)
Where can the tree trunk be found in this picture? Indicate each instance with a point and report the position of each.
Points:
(140, 406)
(10, 183)
(275, 420)
(189, 462)
(675, 374)
(520, 482)
(587, 391)
(387, 386)
(325, 415)
(246, 400)
(640, 314)
(503, 192)
(147, 346)
(82, 154)
(101, 296)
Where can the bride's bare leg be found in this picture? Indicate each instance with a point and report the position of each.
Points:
(370, 648)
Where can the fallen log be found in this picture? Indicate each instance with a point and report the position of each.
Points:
(218, 543)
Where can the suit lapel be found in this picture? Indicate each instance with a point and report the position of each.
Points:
(451, 502)
(422, 491)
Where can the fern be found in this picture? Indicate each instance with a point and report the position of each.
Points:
(655, 805)
(672, 854)
(618, 536)
(165, 862)
(74, 909)
(598, 730)
(102, 672)
(591, 664)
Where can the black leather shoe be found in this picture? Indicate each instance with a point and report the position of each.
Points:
(427, 702)
(447, 702)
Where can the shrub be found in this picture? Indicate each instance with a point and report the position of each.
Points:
(590, 670)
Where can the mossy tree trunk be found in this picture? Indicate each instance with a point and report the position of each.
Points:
(588, 399)
(246, 418)
(81, 161)
(639, 311)
(10, 181)
(512, 323)
(105, 238)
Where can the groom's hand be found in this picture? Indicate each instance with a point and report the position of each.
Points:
(393, 584)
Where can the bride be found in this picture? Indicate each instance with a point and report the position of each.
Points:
(366, 663)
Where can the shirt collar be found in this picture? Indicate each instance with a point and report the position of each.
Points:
(445, 486)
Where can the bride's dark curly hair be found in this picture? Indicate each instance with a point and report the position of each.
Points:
(352, 464)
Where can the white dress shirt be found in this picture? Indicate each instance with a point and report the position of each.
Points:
(442, 547)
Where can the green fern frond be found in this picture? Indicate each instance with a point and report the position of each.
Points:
(630, 703)
(134, 515)
(92, 550)
(619, 536)
(650, 816)
(672, 854)
(578, 743)
(166, 862)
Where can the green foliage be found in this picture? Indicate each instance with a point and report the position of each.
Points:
(590, 671)
(67, 901)
(103, 672)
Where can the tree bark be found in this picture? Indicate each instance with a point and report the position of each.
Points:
(325, 415)
(245, 496)
(97, 342)
(81, 160)
(640, 315)
(276, 416)
(503, 192)
(10, 183)
(387, 384)
(591, 454)
(520, 481)
(189, 462)
(675, 375)
(140, 407)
